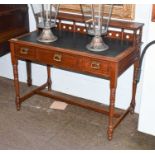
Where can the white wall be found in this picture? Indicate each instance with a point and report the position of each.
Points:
(147, 109)
(81, 85)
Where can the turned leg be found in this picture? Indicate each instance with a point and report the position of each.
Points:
(29, 75)
(16, 84)
(49, 77)
(113, 85)
(111, 112)
(134, 86)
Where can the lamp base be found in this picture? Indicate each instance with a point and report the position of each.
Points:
(47, 36)
(97, 44)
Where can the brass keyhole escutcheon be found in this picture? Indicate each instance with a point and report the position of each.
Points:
(95, 65)
(24, 50)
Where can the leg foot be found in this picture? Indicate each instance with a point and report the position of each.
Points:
(132, 107)
(110, 133)
(18, 107)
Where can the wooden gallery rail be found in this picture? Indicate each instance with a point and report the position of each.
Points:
(69, 53)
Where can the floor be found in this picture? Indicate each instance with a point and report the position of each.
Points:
(37, 126)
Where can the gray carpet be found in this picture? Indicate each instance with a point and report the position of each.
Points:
(38, 127)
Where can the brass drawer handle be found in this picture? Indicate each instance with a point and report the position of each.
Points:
(57, 57)
(24, 50)
(95, 65)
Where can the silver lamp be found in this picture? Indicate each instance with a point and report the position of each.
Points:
(45, 16)
(97, 18)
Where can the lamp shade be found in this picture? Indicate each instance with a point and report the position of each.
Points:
(45, 16)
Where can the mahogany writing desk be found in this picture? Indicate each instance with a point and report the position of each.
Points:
(69, 53)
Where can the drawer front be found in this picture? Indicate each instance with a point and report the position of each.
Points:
(95, 66)
(25, 52)
(58, 59)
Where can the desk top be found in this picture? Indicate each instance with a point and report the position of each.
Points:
(78, 42)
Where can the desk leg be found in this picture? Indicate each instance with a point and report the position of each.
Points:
(111, 112)
(113, 85)
(16, 84)
(134, 87)
(29, 75)
(49, 77)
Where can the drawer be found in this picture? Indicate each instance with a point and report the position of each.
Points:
(25, 52)
(95, 66)
(58, 59)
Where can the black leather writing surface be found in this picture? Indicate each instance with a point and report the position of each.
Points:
(78, 42)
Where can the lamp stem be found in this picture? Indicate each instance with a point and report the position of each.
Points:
(93, 17)
(47, 13)
(110, 14)
(43, 13)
